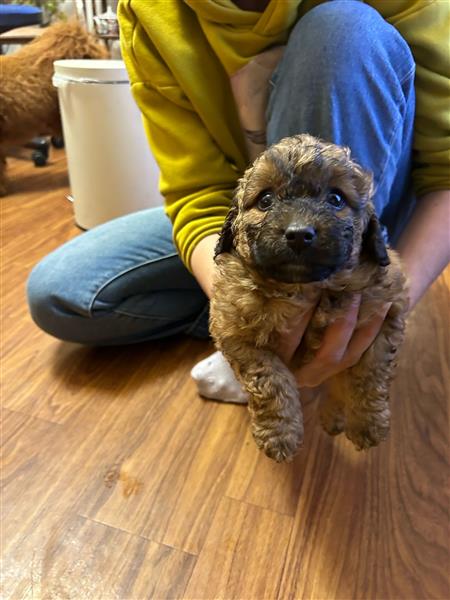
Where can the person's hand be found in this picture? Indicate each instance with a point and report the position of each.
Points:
(341, 348)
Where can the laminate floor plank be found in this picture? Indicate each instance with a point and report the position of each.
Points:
(83, 559)
(253, 471)
(243, 555)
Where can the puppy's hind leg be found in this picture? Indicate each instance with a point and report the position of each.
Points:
(331, 410)
(367, 404)
(274, 405)
(367, 410)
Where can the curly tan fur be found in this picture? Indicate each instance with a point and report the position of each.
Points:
(261, 285)
(28, 100)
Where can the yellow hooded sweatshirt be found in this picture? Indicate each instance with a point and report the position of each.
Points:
(184, 57)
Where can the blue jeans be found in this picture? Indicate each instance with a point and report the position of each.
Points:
(347, 76)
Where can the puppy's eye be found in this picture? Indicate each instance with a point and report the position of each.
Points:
(265, 200)
(336, 198)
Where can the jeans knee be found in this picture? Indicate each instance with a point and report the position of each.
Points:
(340, 17)
(43, 302)
(344, 36)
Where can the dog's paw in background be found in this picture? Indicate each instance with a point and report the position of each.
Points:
(332, 424)
(369, 431)
(331, 408)
(216, 381)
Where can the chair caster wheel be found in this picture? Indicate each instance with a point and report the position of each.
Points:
(40, 144)
(57, 141)
(39, 158)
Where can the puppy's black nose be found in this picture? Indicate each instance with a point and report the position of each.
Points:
(299, 237)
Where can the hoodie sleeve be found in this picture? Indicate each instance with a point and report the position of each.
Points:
(198, 172)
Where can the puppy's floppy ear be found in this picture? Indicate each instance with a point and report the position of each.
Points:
(226, 239)
(373, 245)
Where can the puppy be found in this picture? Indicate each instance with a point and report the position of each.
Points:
(302, 232)
(28, 99)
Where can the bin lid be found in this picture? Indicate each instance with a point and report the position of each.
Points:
(94, 70)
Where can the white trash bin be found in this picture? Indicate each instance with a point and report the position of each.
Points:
(111, 169)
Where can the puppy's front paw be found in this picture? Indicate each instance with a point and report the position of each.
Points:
(332, 424)
(279, 440)
(368, 433)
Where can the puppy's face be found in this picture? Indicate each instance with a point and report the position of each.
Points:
(302, 213)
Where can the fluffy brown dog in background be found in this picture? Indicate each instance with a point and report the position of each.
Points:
(28, 100)
(303, 231)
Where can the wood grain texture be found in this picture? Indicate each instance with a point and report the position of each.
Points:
(244, 542)
(118, 481)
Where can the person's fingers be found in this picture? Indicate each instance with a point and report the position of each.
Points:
(332, 350)
(338, 334)
(363, 338)
(290, 339)
(360, 342)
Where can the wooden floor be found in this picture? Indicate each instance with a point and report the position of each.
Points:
(119, 482)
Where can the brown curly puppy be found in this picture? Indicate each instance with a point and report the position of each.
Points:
(28, 100)
(302, 231)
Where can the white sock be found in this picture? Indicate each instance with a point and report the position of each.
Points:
(215, 380)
